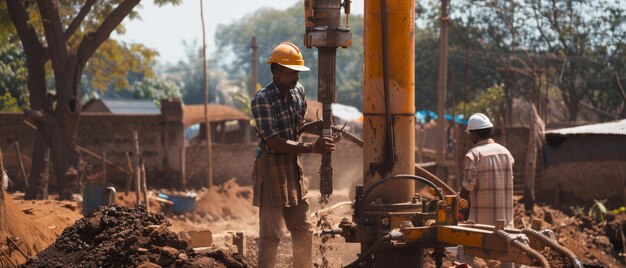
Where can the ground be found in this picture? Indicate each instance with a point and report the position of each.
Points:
(36, 224)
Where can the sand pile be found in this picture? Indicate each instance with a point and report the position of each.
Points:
(118, 236)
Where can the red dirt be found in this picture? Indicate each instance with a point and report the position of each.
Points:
(228, 207)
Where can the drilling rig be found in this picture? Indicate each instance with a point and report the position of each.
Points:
(393, 224)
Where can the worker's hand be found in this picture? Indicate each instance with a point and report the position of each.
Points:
(465, 210)
(337, 137)
(323, 145)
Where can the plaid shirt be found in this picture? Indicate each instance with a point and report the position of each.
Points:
(278, 176)
(488, 175)
(274, 116)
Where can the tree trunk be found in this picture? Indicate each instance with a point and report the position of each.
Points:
(38, 187)
(64, 155)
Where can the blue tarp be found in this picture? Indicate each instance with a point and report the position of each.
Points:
(425, 116)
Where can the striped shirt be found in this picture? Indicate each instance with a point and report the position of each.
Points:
(278, 177)
(488, 175)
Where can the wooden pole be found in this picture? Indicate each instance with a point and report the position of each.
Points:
(130, 175)
(46, 182)
(531, 162)
(136, 168)
(104, 170)
(206, 103)
(144, 187)
(441, 93)
(1, 174)
(19, 160)
(3, 214)
(255, 61)
(183, 166)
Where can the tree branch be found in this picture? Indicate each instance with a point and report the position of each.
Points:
(25, 31)
(80, 17)
(92, 41)
(35, 53)
(619, 86)
(54, 32)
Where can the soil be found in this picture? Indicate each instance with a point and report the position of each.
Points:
(119, 236)
(105, 238)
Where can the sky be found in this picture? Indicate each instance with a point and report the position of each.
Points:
(164, 29)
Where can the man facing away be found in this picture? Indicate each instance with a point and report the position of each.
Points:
(279, 191)
(488, 178)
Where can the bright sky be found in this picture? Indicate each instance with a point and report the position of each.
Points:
(165, 28)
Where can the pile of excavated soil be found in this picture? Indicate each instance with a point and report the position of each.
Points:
(32, 225)
(118, 236)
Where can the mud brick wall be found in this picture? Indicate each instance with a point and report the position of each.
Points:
(113, 134)
(579, 183)
(109, 133)
(229, 161)
(13, 128)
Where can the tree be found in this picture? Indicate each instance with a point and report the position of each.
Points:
(65, 35)
(579, 43)
(271, 27)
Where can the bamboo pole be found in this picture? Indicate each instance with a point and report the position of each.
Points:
(104, 170)
(21, 163)
(136, 168)
(129, 181)
(206, 103)
(144, 188)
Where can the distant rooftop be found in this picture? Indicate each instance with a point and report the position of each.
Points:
(122, 106)
(610, 128)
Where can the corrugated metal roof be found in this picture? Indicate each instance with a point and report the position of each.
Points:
(610, 128)
(134, 106)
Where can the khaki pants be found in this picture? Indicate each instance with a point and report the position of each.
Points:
(298, 225)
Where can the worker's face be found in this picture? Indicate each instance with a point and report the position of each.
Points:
(472, 136)
(286, 78)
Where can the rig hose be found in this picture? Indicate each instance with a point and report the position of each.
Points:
(523, 247)
(554, 245)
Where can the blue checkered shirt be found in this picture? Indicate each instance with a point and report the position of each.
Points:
(274, 116)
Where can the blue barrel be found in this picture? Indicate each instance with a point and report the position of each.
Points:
(93, 197)
(95, 194)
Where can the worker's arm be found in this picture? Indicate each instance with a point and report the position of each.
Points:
(280, 145)
(469, 175)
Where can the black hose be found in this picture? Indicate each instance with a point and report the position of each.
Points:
(359, 261)
(554, 245)
(401, 176)
(524, 248)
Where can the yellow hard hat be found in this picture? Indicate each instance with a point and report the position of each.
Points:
(287, 54)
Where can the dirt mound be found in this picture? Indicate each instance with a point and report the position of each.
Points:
(118, 236)
(223, 207)
(31, 225)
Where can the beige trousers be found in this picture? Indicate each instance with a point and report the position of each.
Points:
(298, 225)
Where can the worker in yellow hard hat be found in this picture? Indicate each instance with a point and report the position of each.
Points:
(487, 179)
(279, 188)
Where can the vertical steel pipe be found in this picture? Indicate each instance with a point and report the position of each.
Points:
(389, 97)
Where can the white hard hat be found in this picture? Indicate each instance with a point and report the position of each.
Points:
(478, 121)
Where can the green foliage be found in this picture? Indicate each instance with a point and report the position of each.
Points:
(156, 89)
(580, 44)
(487, 102)
(271, 27)
(8, 103)
(598, 211)
(109, 67)
(13, 72)
(114, 61)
